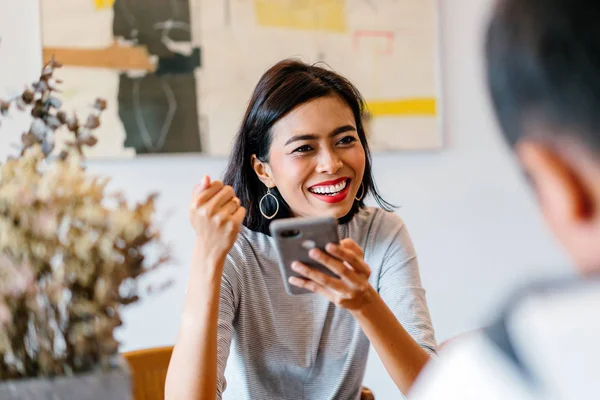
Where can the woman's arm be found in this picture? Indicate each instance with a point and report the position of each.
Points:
(216, 217)
(401, 355)
(192, 371)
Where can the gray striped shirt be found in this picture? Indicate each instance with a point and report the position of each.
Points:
(304, 347)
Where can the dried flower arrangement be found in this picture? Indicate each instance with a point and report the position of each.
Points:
(70, 254)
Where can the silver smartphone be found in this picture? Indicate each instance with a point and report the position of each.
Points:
(295, 237)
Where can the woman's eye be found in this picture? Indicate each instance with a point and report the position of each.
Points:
(347, 140)
(303, 149)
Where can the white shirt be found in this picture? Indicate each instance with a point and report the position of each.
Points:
(547, 346)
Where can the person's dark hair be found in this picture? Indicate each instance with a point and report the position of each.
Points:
(543, 65)
(282, 88)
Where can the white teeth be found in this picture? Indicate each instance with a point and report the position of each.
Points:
(332, 189)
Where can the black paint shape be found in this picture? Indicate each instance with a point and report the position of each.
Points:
(146, 103)
(145, 115)
(179, 63)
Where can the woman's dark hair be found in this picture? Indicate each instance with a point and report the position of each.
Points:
(282, 88)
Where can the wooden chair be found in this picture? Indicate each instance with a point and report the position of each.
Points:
(366, 394)
(149, 372)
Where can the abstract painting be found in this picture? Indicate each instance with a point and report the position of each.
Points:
(179, 73)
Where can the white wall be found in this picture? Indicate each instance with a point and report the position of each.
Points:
(20, 62)
(472, 219)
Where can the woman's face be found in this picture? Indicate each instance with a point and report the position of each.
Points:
(316, 158)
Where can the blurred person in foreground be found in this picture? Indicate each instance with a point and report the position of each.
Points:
(543, 68)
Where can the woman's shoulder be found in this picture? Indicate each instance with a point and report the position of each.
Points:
(248, 240)
(379, 220)
(249, 245)
(374, 229)
(246, 254)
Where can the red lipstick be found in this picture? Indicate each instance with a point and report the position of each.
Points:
(332, 198)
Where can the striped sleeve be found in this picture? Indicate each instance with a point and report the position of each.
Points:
(400, 287)
(227, 311)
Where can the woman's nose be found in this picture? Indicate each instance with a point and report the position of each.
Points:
(329, 162)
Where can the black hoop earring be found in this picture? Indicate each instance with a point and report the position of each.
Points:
(260, 205)
(362, 193)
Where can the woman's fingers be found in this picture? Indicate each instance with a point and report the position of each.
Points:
(313, 287)
(230, 207)
(350, 256)
(204, 183)
(239, 215)
(345, 260)
(352, 245)
(221, 198)
(208, 193)
(335, 265)
(199, 188)
(318, 276)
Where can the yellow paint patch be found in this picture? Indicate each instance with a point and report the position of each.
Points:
(102, 4)
(321, 15)
(403, 108)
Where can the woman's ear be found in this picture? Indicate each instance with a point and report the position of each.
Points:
(263, 171)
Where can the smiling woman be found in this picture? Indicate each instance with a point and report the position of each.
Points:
(301, 151)
(303, 122)
(316, 159)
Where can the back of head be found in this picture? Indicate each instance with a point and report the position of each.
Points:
(543, 60)
(543, 65)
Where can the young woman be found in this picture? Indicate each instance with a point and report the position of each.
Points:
(301, 151)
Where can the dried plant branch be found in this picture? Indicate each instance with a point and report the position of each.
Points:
(41, 101)
(69, 261)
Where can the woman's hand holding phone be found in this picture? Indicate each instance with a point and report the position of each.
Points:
(352, 289)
